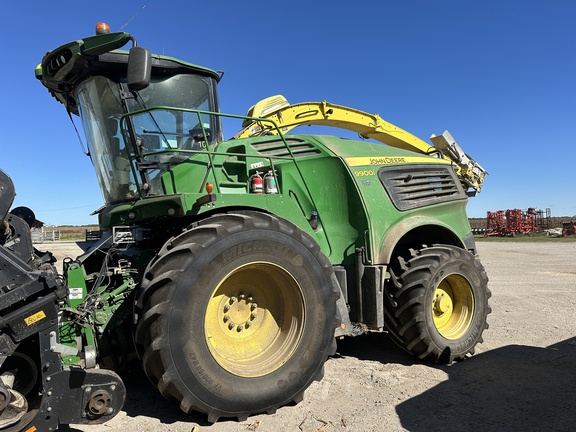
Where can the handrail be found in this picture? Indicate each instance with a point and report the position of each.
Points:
(210, 149)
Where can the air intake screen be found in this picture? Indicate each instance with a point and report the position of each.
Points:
(415, 186)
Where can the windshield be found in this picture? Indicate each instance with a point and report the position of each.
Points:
(169, 133)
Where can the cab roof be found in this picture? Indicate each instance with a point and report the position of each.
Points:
(65, 67)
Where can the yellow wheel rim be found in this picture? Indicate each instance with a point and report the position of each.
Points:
(254, 319)
(453, 307)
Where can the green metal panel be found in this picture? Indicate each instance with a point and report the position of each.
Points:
(336, 178)
(387, 223)
(76, 283)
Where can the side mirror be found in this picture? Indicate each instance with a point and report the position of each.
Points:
(139, 68)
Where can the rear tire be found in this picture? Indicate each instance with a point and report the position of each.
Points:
(437, 303)
(237, 315)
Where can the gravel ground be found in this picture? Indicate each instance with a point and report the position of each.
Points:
(523, 377)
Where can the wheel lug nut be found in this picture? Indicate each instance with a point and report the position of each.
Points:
(253, 315)
(248, 324)
(253, 306)
(242, 296)
(240, 328)
(233, 299)
(231, 325)
(250, 299)
(226, 308)
(226, 318)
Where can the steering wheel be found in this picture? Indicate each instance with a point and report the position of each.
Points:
(196, 139)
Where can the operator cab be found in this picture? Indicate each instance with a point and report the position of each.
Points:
(130, 153)
(141, 114)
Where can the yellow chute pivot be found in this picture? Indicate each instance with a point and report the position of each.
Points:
(470, 171)
(276, 109)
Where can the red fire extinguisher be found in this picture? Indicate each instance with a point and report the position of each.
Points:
(256, 186)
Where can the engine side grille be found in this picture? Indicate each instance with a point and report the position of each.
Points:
(277, 148)
(415, 186)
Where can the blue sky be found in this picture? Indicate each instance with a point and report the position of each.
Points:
(499, 75)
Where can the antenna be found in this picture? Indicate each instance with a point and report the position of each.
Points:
(134, 16)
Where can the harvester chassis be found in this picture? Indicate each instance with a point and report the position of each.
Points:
(229, 267)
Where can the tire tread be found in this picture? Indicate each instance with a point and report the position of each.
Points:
(404, 308)
(157, 289)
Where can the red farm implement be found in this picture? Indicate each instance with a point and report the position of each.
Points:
(512, 222)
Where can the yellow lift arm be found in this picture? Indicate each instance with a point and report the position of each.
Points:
(287, 117)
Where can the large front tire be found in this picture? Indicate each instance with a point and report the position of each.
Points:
(237, 315)
(437, 303)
